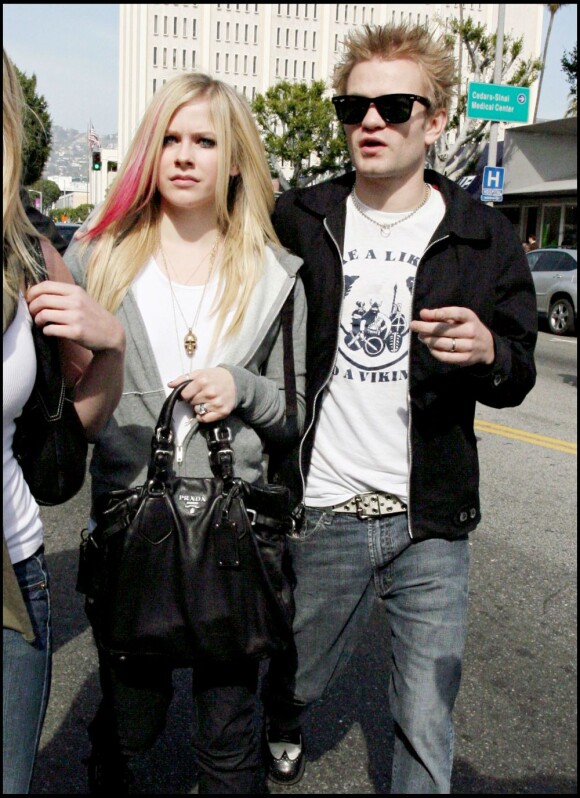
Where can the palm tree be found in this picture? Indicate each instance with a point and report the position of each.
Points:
(553, 8)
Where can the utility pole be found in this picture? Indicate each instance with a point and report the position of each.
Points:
(493, 130)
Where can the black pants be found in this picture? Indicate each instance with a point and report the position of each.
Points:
(136, 697)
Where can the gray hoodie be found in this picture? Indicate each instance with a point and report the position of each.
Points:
(254, 357)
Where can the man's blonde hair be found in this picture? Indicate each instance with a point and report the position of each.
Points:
(432, 54)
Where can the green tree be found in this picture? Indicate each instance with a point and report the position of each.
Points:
(49, 190)
(37, 130)
(570, 69)
(458, 150)
(553, 8)
(299, 128)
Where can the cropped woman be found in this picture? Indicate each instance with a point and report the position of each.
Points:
(92, 345)
(183, 251)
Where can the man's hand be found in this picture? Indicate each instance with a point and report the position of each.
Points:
(455, 335)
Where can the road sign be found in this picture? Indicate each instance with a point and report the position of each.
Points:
(498, 103)
(492, 184)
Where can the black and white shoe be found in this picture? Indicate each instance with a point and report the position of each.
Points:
(284, 755)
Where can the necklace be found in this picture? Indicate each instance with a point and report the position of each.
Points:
(386, 227)
(190, 338)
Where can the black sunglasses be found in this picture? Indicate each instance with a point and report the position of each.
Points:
(393, 108)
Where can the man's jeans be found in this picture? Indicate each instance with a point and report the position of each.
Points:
(26, 671)
(342, 565)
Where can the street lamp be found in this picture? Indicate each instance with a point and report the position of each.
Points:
(34, 191)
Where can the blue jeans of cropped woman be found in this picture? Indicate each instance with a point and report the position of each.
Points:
(26, 678)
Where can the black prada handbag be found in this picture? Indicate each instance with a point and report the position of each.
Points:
(183, 567)
(50, 443)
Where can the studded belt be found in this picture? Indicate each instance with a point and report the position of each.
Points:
(371, 505)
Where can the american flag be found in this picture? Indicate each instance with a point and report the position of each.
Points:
(94, 140)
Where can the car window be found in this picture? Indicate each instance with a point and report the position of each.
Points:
(551, 262)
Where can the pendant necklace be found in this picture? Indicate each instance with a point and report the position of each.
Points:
(190, 337)
(386, 226)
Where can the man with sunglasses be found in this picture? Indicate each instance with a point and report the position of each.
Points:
(420, 304)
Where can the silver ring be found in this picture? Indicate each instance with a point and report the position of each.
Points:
(201, 409)
(453, 343)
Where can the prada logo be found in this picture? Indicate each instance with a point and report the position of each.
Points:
(192, 503)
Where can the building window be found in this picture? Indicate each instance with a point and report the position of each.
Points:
(255, 34)
(306, 11)
(155, 56)
(246, 31)
(295, 69)
(165, 26)
(236, 64)
(287, 37)
(278, 37)
(245, 65)
(218, 31)
(296, 38)
(154, 85)
(194, 28)
(237, 32)
(313, 65)
(277, 67)
(184, 28)
(286, 68)
(314, 40)
(184, 60)
(193, 59)
(227, 62)
(217, 62)
(174, 58)
(304, 70)
(227, 31)
(254, 65)
(175, 26)
(165, 57)
(155, 25)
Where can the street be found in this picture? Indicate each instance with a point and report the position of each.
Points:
(516, 712)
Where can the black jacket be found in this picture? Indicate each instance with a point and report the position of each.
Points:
(474, 260)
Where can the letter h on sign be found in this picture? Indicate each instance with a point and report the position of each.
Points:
(493, 178)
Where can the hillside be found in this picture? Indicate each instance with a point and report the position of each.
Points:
(70, 152)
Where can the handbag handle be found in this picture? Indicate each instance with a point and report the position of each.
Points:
(218, 438)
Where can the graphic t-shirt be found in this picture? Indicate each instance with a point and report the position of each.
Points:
(361, 438)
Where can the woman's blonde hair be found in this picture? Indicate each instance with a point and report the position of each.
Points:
(432, 55)
(125, 230)
(20, 259)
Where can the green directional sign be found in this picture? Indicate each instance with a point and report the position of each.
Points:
(498, 103)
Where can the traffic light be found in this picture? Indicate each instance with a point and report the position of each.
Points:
(97, 161)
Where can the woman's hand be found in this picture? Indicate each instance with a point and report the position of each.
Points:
(65, 310)
(211, 392)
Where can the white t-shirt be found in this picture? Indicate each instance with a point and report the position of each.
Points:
(361, 438)
(166, 327)
(21, 518)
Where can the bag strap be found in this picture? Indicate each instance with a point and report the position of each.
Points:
(288, 342)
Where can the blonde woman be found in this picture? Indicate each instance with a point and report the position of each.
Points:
(183, 251)
(81, 324)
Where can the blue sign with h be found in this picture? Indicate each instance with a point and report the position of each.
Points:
(493, 178)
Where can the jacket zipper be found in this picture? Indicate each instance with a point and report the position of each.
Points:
(409, 449)
(326, 380)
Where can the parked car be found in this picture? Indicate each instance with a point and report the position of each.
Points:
(67, 230)
(555, 271)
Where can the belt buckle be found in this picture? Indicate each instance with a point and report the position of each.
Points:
(360, 510)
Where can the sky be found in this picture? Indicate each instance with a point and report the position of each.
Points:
(73, 51)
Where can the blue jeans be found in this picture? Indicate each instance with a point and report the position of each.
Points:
(26, 675)
(343, 564)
